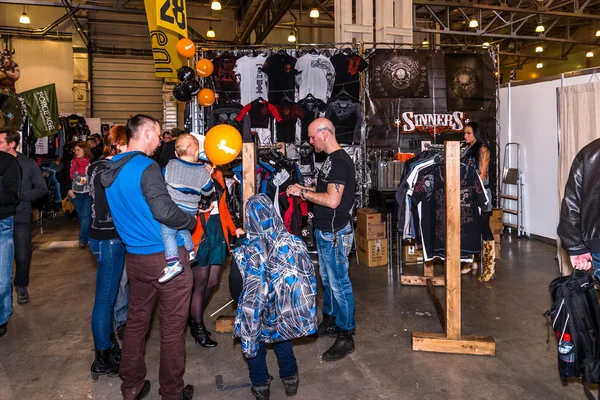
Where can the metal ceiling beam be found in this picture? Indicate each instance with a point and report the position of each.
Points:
(253, 15)
(79, 6)
(505, 36)
(539, 11)
(273, 19)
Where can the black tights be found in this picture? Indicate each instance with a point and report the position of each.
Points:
(486, 231)
(205, 280)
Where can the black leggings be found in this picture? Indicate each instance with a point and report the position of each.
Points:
(486, 231)
(205, 280)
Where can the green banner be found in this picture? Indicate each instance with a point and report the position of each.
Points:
(42, 109)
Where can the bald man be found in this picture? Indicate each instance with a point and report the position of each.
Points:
(333, 198)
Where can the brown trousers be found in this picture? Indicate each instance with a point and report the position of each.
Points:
(173, 297)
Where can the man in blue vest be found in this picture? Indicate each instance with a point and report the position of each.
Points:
(139, 203)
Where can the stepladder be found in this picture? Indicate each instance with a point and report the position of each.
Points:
(512, 189)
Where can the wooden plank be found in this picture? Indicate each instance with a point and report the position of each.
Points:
(438, 343)
(130, 107)
(453, 295)
(137, 92)
(428, 269)
(137, 76)
(124, 86)
(224, 323)
(248, 172)
(439, 310)
(416, 280)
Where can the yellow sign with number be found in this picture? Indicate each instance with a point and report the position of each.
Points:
(164, 45)
(172, 15)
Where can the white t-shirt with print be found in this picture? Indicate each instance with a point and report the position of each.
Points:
(253, 83)
(316, 76)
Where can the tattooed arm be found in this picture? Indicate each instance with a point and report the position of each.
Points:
(331, 199)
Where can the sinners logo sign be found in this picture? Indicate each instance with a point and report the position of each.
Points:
(432, 123)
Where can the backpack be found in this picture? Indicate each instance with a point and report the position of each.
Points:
(575, 317)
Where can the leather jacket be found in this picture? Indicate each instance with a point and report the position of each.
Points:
(579, 226)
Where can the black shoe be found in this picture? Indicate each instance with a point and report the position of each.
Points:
(83, 245)
(327, 327)
(121, 331)
(344, 345)
(262, 392)
(191, 324)
(3, 329)
(290, 384)
(188, 392)
(22, 295)
(200, 335)
(144, 392)
(104, 364)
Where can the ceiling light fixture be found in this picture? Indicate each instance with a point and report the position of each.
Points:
(539, 65)
(473, 23)
(589, 54)
(425, 43)
(314, 13)
(215, 5)
(211, 33)
(539, 28)
(24, 18)
(486, 45)
(539, 49)
(598, 33)
(292, 37)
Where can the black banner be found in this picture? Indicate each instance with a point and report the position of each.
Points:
(400, 73)
(464, 82)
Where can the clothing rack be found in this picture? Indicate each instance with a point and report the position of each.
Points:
(452, 340)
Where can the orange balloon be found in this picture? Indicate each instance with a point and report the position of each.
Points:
(206, 97)
(186, 48)
(204, 68)
(222, 144)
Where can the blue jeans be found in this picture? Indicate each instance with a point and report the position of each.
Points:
(57, 196)
(83, 205)
(7, 252)
(111, 258)
(259, 374)
(122, 303)
(596, 264)
(333, 252)
(169, 237)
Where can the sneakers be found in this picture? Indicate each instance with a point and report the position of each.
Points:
(192, 256)
(22, 295)
(170, 272)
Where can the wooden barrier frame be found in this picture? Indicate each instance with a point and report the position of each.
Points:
(453, 341)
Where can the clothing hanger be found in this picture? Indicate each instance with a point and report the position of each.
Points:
(313, 51)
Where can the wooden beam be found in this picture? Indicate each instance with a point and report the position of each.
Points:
(437, 304)
(453, 295)
(438, 343)
(248, 172)
(417, 280)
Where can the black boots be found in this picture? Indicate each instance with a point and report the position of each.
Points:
(262, 392)
(344, 345)
(104, 364)
(200, 334)
(290, 385)
(188, 392)
(327, 327)
(144, 392)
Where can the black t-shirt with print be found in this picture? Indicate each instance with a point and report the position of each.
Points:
(312, 107)
(344, 113)
(347, 68)
(286, 128)
(227, 84)
(430, 192)
(282, 76)
(337, 168)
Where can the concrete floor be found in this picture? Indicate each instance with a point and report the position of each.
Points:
(48, 349)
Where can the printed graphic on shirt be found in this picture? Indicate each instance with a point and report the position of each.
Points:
(316, 76)
(227, 84)
(280, 68)
(347, 68)
(253, 82)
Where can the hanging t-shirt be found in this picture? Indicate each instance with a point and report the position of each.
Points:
(347, 68)
(253, 82)
(281, 72)
(226, 113)
(344, 113)
(260, 113)
(315, 76)
(313, 108)
(226, 82)
(430, 197)
(286, 129)
(337, 168)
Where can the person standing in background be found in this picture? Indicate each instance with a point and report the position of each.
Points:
(79, 191)
(33, 187)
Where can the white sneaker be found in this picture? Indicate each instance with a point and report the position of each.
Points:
(170, 272)
(192, 256)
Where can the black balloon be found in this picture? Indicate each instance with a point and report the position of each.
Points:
(191, 87)
(184, 73)
(180, 94)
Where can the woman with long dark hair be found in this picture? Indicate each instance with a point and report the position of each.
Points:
(79, 190)
(478, 155)
(212, 233)
(110, 254)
